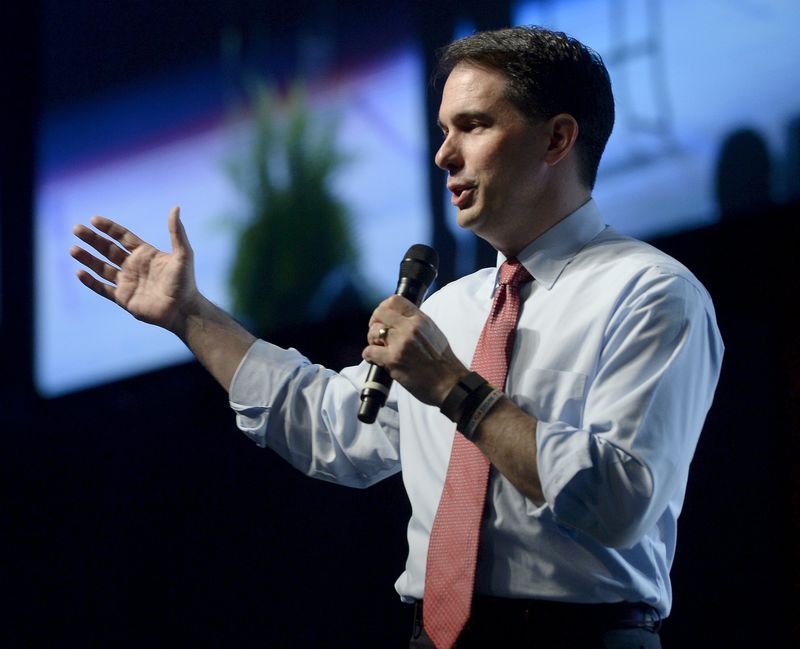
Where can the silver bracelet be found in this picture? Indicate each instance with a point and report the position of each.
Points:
(480, 412)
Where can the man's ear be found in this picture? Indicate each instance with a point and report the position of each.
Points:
(562, 130)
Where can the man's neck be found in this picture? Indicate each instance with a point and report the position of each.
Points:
(547, 216)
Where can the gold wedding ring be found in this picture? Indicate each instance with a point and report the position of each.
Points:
(383, 332)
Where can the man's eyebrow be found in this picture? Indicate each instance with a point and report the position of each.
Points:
(467, 115)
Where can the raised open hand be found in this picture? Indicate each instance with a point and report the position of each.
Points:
(154, 286)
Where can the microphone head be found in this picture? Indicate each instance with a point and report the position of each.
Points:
(420, 263)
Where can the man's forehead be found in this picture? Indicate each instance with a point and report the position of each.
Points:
(471, 88)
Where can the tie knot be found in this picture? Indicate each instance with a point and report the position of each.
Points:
(513, 273)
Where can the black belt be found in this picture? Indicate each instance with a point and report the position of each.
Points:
(502, 610)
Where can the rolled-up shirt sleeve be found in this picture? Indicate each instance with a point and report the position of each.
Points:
(614, 475)
(308, 415)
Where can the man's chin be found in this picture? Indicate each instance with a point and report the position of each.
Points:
(469, 219)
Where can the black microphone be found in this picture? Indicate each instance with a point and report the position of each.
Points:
(417, 272)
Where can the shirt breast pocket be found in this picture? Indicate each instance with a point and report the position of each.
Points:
(551, 395)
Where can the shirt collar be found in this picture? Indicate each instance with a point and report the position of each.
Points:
(547, 255)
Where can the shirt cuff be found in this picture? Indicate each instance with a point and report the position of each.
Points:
(263, 368)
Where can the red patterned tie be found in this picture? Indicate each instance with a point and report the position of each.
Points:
(453, 546)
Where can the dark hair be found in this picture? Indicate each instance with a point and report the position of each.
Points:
(548, 73)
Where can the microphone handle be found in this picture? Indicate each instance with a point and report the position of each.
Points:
(374, 393)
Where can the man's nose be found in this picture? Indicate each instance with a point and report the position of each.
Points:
(448, 157)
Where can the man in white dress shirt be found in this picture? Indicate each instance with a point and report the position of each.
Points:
(613, 369)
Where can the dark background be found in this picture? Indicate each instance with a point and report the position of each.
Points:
(135, 514)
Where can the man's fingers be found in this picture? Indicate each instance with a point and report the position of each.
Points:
(401, 305)
(376, 354)
(90, 281)
(177, 233)
(125, 237)
(101, 268)
(393, 311)
(378, 333)
(105, 247)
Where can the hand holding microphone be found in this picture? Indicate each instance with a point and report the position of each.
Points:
(417, 272)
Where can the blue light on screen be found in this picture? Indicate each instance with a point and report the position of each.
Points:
(86, 168)
(686, 75)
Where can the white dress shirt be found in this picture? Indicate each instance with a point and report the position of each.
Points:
(617, 356)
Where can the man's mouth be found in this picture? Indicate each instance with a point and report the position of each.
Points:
(462, 195)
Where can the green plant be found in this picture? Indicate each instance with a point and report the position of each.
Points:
(297, 235)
